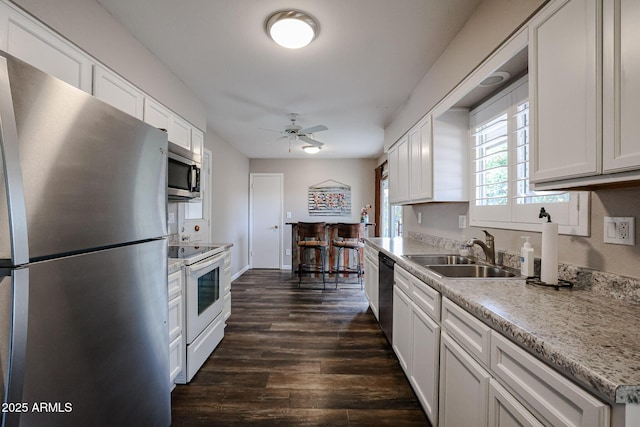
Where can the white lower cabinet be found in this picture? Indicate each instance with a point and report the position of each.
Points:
(226, 287)
(371, 285)
(556, 400)
(464, 387)
(506, 411)
(485, 379)
(425, 358)
(416, 337)
(402, 328)
(176, 325)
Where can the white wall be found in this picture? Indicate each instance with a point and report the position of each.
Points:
(300, 174)
(230, 199)
(93, 29)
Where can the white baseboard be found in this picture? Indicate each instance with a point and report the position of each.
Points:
(285, 267)
(240, 273)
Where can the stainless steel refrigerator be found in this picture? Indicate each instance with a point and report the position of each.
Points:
(83, 258)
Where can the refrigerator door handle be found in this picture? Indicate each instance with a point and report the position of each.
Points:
(18, 343)
(12, 171)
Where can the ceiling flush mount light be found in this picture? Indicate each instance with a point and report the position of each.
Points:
(291, 28)
(311, 149)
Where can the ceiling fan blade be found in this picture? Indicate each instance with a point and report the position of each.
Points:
(310, 141)
(313, 129)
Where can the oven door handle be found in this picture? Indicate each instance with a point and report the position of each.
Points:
(204, 265)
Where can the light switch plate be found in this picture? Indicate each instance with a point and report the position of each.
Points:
(619, 230)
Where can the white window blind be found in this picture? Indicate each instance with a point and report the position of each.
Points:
(500, 156)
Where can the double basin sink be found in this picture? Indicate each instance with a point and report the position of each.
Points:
(457, 266)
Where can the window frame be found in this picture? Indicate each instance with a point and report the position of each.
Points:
(572, 217)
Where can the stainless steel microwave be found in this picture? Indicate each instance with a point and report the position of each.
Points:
(183, 173)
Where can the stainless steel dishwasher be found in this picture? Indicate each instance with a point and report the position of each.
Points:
(385, 300)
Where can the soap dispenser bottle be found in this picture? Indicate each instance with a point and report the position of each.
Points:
(526, 259)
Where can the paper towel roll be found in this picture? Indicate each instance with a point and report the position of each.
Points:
(549, 262)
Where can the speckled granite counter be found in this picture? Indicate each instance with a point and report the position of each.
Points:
(592, 339)
(174, 265)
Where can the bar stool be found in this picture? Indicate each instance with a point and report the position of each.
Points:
(349, 237)
(311, 236)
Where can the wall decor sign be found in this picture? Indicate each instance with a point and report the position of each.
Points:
(329, 198)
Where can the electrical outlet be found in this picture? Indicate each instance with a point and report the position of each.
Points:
(287, 252)
(462, 221)
(619, 230)
(419, 217)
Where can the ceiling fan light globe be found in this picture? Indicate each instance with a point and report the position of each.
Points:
(311, 149)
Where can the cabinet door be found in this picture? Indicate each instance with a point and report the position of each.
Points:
(156, 115)
(425, 358)
(621, 91)
(399, 172)
(371, 279)
(180, 132)
(506, 411)
(464, 388)
(565, 90)
(117, 92)
(197, 141)
(421, 168)
(31, 42)
(402, 328)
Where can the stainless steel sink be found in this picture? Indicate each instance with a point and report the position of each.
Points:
(437, 259)
(475, 271)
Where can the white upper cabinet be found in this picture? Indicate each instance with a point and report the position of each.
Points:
(26, 39)
(197, 141)
(565, 87)
(399, 172)
(621, 86)
(431, 162)
(156, 114)
(584, 75)
(180, 132)
(117, 92)
(421, 182)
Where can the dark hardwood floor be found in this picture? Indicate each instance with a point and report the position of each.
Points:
(299, 357)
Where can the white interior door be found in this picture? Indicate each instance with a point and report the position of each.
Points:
(266, 220)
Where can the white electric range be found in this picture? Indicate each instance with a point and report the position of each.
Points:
(203, 302)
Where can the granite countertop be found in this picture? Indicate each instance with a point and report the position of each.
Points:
(591, 338)
(174, 265)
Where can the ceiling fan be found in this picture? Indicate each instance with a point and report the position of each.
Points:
(295, 132)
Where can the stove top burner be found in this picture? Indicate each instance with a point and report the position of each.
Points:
(188, 252)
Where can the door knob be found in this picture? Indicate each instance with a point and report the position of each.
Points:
(276, 227)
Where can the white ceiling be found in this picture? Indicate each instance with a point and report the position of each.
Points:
(368, 57)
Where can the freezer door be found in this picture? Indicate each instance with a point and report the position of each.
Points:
(92, 175)
(97, 348)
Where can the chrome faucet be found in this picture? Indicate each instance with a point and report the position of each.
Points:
(488, 247)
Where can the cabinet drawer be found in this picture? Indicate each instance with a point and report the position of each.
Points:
(402, 279)
(175, 317)
(427, 298)
(468, 331)
(553, 397)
